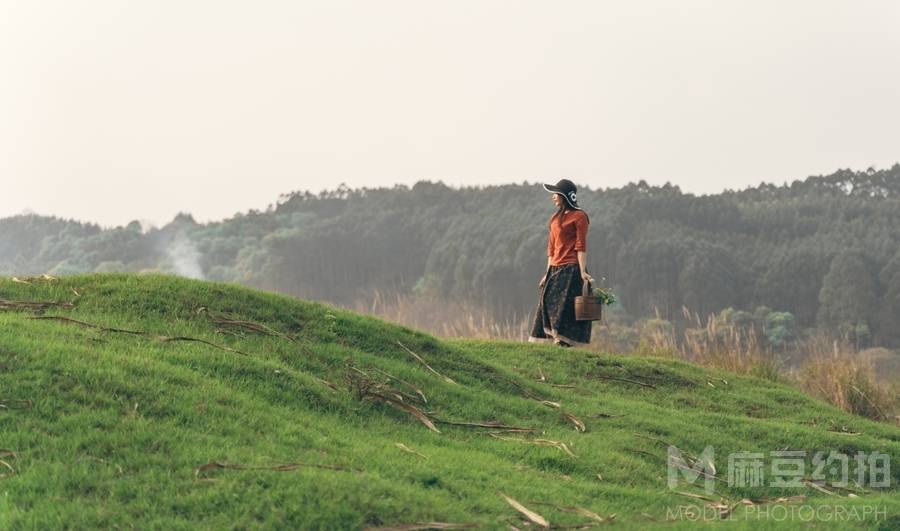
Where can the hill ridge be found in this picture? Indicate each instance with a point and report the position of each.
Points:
(314, 419)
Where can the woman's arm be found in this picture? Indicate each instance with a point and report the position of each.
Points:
(544, 278)
(581, 230)
(549, 252)
(582, 263)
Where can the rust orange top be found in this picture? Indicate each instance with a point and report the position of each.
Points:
(567, 238)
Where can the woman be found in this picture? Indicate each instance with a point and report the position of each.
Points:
(566, 272)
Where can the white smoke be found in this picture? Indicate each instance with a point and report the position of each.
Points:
(184, 256)
(146, 225)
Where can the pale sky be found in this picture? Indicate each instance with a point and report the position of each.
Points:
(118, 110)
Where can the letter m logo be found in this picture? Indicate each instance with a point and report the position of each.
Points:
(690, 468)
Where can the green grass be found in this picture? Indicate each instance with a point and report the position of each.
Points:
(118, 423)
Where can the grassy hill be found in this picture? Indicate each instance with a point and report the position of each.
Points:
(291, 414)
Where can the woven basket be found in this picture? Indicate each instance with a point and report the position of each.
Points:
(588, 307)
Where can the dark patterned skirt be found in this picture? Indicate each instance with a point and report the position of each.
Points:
(554, 317)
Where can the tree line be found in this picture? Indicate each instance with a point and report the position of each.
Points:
(826, 249)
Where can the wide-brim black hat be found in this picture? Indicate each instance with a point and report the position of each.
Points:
(567, 189)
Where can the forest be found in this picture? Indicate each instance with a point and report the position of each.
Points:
(821, 253)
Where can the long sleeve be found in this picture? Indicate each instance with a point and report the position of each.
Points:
(550, 241)
(581, 230)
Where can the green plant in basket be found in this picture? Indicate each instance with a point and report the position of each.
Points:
(606, 295)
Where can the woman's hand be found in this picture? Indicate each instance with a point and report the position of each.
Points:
(587, 278)
(543, 281)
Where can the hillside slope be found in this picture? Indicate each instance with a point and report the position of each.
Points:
(112, 428)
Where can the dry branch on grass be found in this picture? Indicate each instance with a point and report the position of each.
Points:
(626, 380)
(327, 383)
(692, 462)
(539, 442)
(841, 430)
(531, 396)
(490, 424)
(164, 339)
(88, 325)
(586, 525)
(577, 510)
(819, 488)
(404, 382)
(408, 408)
(722, 505)
(34, 306)
(15, 403)
(606, 416)
(418, 526)
(251, 326)
(698, 496)
(12, 471)
(579, 426)
(784, 499)
(35, 279)
(420, 360)
(214, 465)
(363, 387)
(409, 450)
(7, 453)
(556, 444)
(528, 513)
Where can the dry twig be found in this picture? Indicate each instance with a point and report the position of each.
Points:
(252, 326)
(364, 387)
(404, 382)
(88, 325)
(577, 510)
(418, 526)
(409, 450)
(214, 465)
(34, 306)
(487, 424)
(12, 471)
(420, 360)
(164, 339)
(36, 279)
(604, 377)
(531, 515)
(579, 426)
(539, 442)
(605, 416)
(15, 403)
